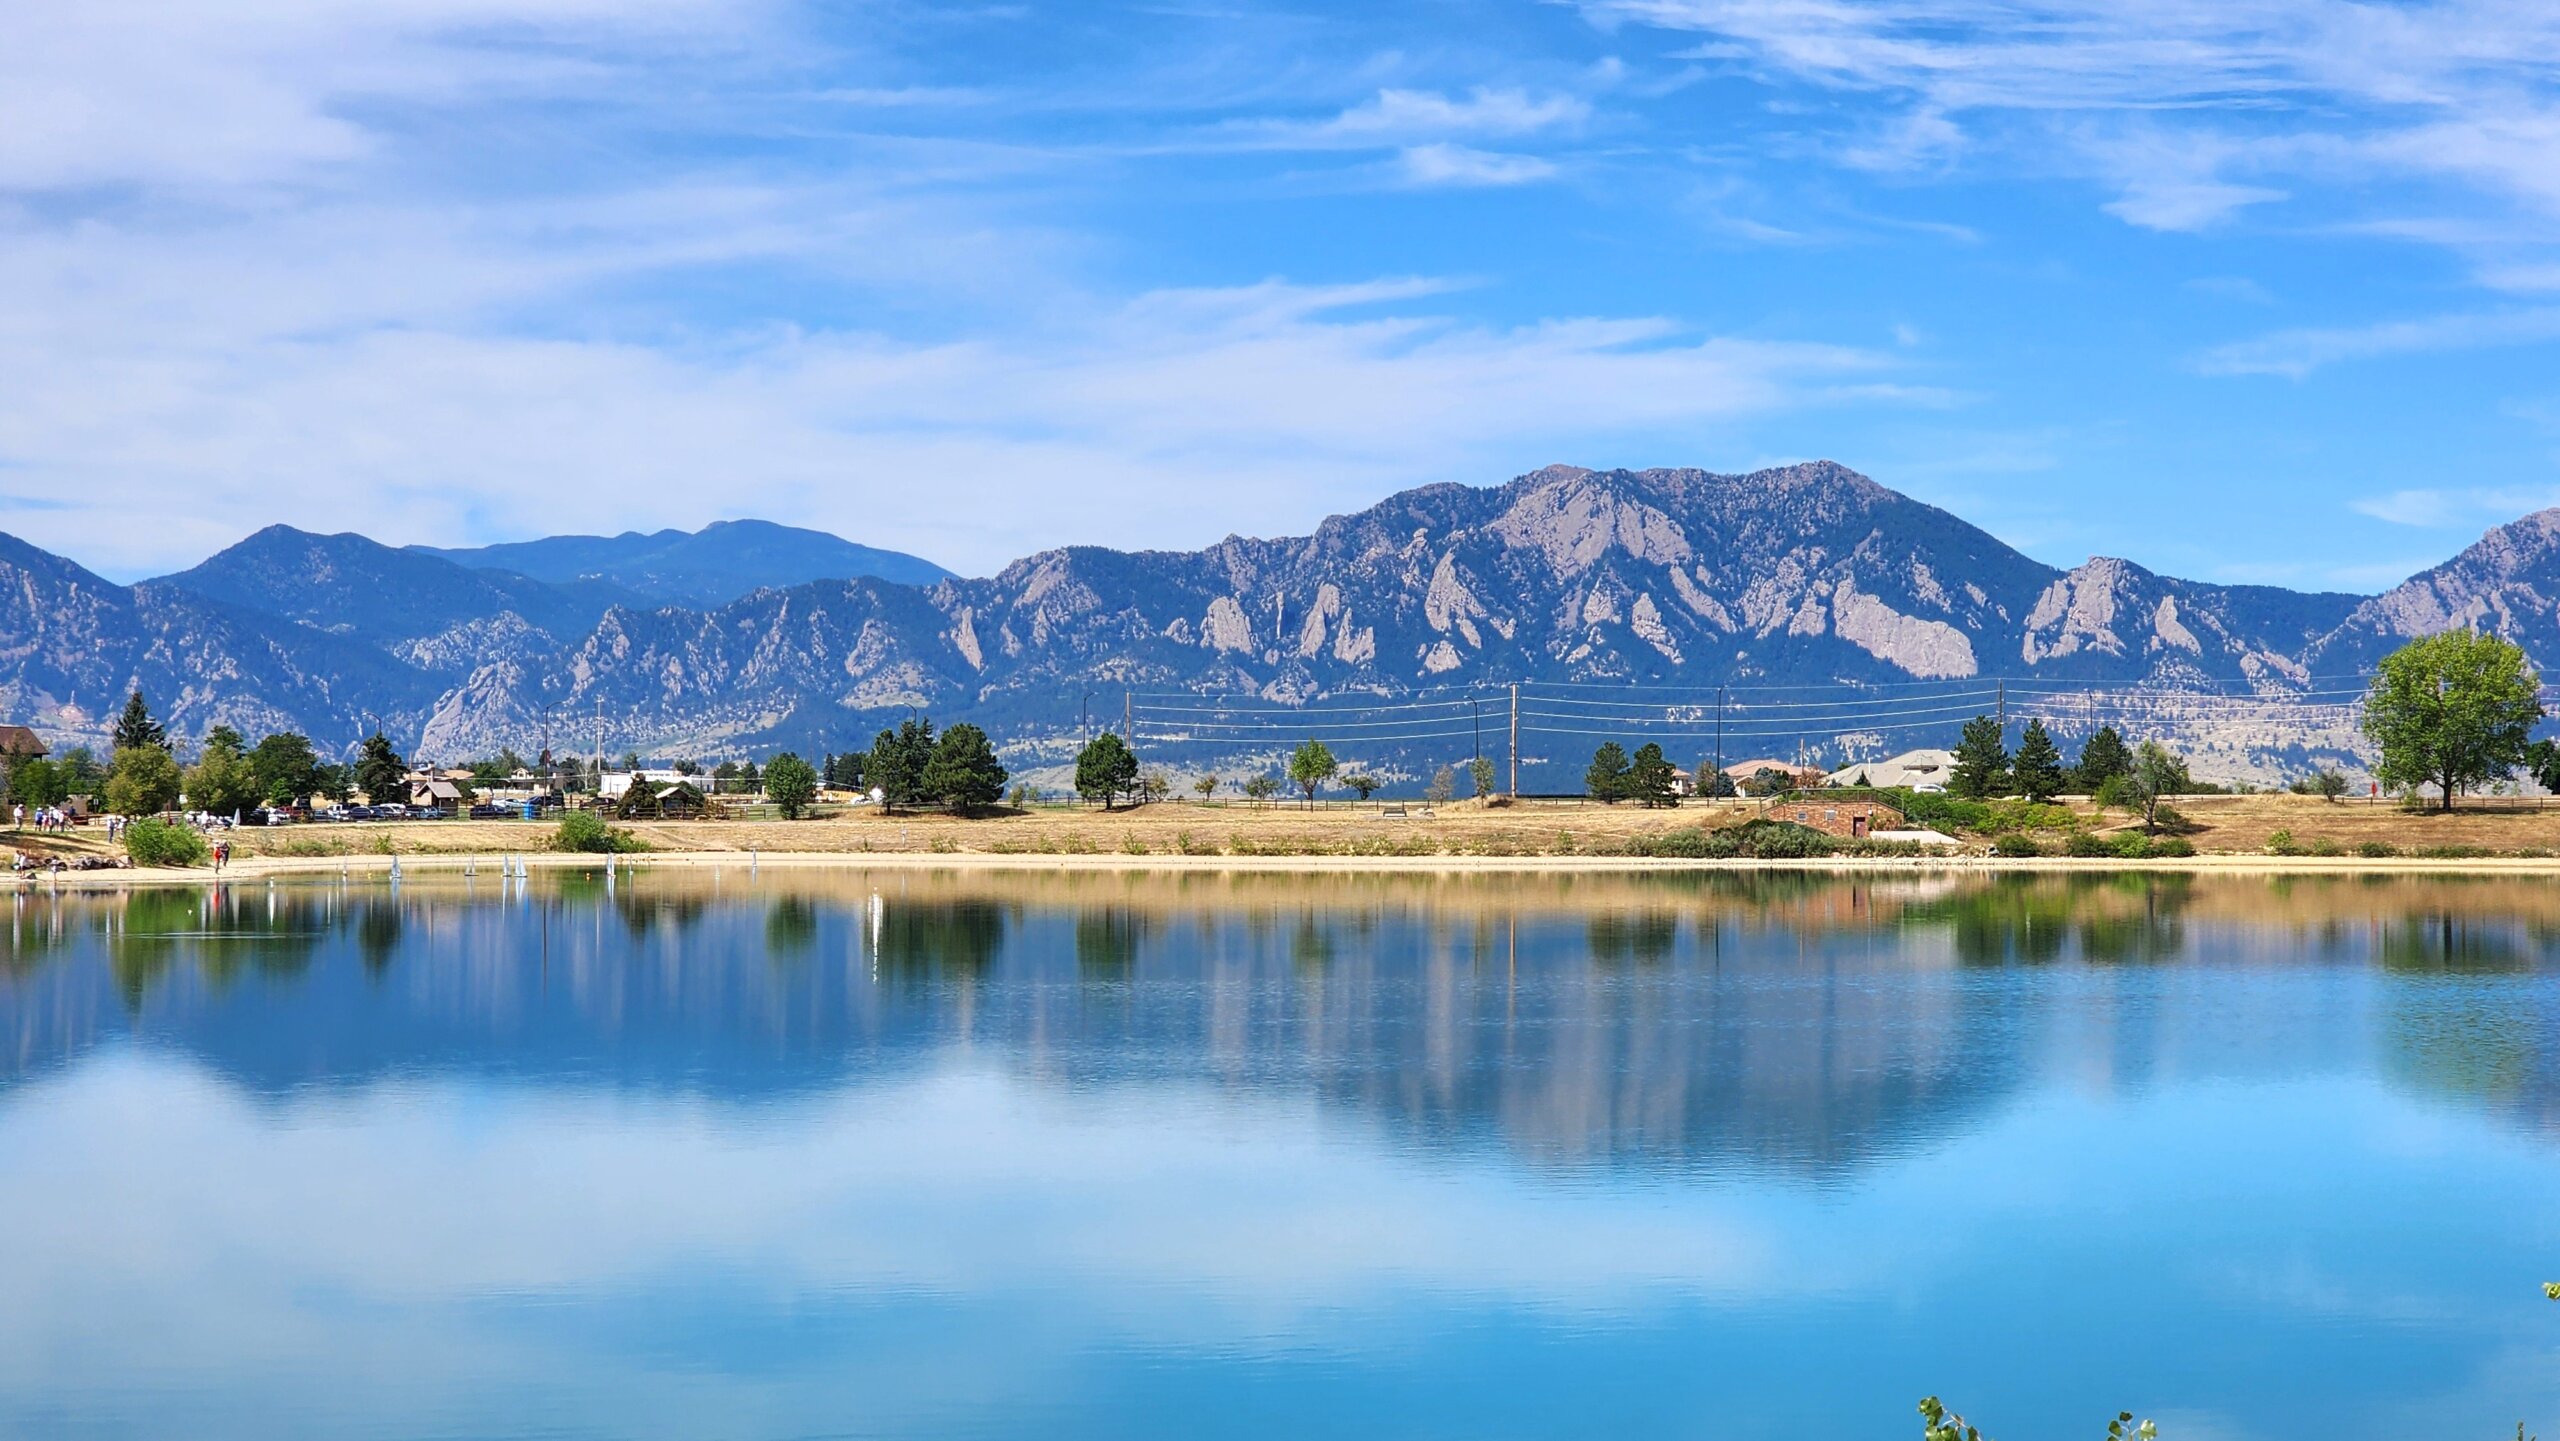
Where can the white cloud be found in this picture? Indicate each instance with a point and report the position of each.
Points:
(2226, 95)
(2462, 507)
(1462, 165)
(2297, 353)
(371, 370)
(102, 92)
(1397, 117)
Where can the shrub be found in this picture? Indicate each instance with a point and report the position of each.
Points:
(2176, 848)
(2016, 845)
(2087, 846)
(585, 831)
(161, 843)
(1782, 841)
(2377, 850)
(2281, 844)
(2132, 846)
(2452, 853)
(1689, 843)
(2324, 846)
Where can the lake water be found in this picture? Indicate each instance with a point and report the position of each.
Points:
(897, 1154)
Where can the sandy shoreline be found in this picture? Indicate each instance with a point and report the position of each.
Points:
(449, 866)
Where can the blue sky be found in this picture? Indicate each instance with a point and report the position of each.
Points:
(2261, 290)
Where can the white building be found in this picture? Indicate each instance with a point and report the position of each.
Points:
(1921, 770)
(614, 784)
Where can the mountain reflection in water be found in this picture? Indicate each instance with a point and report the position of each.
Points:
(1086, 1155)
(1686, 1023)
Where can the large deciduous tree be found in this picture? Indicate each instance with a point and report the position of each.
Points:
(222, 781)
(1310, 766)
(2453, 709)
(143, 782)
(2157, 771)
(286, 767)
(791, 783)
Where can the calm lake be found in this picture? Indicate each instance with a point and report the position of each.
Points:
(836, 1153)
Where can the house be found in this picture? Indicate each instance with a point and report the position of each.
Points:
(1855, 820)
(1799, 776)
(436, 792)
(1920, 770)
(17, 743)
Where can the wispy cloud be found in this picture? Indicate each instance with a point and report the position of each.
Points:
(2297, 353)
(2459, 507)
(1399, 115)
(2232, 104)
(237, 374)
(105, 92)
(1463, 165)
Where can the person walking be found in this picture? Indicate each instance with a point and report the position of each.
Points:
(221, 855)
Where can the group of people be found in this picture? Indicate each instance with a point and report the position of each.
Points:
(48, 818)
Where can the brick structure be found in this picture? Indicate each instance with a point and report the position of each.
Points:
(1848, 819)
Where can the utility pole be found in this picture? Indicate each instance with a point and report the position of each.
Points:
(1476, 704)
(1128, 725)
(1716, 789)
(599, 756)
(1515, 740)
(2004, 705)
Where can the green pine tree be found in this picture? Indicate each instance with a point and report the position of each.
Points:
(1982, 760)
(1650, 778)
(2037, 770)
(2103, 757)
(1607, 779)
(379, 771)
(1105, 769)
(136, 727)
(964, 772)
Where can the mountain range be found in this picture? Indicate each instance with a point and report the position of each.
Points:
(1623, 588)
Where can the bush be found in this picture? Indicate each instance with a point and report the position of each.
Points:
(2016, 845)
(2087, 846)
(2323, 847)
(2173, 848)
(2452, 853)
(2377, 850)
(2281, 844)
(1782, 841)
(2132, 846)
(160, 843)
(1689, 843)
(586, 831)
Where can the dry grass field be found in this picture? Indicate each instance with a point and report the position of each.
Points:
(2226, 826)
(2217, 825)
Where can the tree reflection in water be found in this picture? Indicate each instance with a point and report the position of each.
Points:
(1794, 1021)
